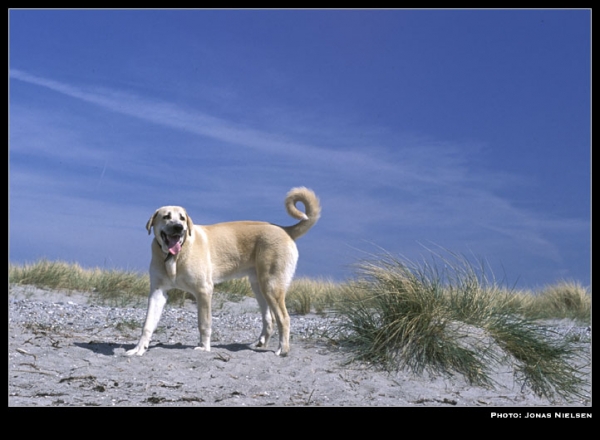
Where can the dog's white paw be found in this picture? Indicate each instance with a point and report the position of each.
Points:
(281, 353)
(137, 351)
(202, 348)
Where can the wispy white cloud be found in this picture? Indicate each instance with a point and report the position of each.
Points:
(425, 163)
(391, 192)
(171, 115)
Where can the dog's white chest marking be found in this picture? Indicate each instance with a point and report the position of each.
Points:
(171, 267)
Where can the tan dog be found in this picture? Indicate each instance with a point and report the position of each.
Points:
(193, 258)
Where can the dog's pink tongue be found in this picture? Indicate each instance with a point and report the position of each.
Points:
(174, 246)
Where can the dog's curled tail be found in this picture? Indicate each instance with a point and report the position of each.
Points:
(311, 206)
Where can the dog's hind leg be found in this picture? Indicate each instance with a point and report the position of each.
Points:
(274, 277)
(267, 316)
(276, 301)
(273, 293)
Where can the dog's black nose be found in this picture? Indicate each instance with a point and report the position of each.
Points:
(177, 228)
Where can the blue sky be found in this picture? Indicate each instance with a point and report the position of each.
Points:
(467, 130)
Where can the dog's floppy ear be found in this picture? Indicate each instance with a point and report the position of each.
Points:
(150, 222)
(190, 224)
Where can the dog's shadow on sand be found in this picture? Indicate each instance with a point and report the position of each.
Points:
(109, 348)
(241, 347)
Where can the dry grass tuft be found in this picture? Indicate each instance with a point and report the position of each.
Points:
(449, 321)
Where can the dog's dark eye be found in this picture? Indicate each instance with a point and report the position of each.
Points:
(167, 217)
(181, 217)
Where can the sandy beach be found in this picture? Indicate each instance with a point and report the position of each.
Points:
(65, 351)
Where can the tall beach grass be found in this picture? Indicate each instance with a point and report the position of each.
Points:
(106, 286)
(565, 299)
(448, 318)
(114, 287)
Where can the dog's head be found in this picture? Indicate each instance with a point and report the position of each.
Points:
(171, 225)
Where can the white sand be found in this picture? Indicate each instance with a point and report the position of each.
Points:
(82, 364)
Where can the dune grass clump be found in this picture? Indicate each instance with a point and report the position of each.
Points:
(50, 275)
(113, 287)
(305, 295)
(450, 321)
(70, 277)
(565, 299)
(396, 316)
(235, 289)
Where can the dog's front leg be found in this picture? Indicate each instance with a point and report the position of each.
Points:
(156, 303)
(203, 300)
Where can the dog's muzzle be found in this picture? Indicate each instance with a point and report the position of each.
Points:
(173, 239)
